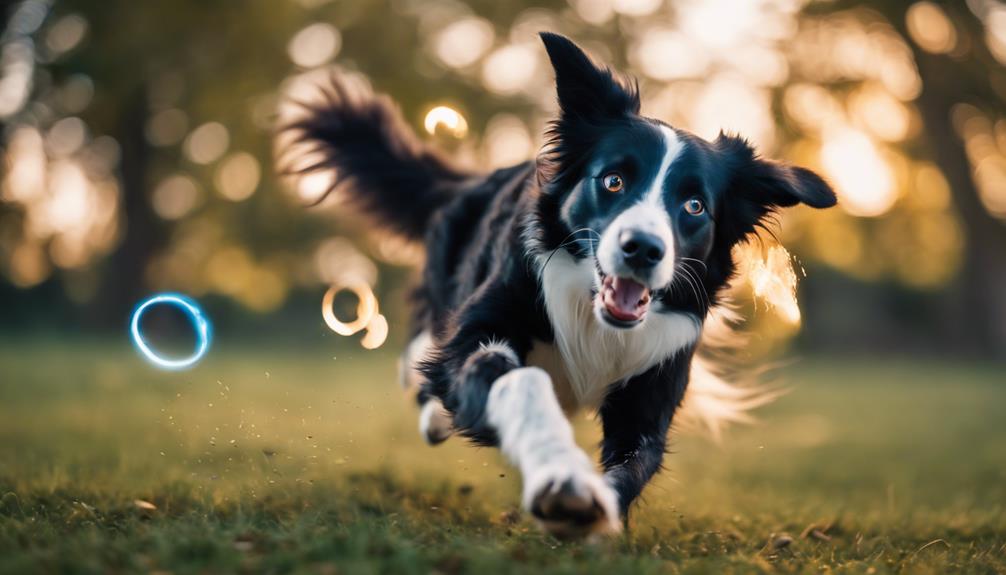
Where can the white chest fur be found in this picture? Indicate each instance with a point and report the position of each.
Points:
(593, 356)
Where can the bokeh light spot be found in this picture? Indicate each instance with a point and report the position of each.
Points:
(238, 176)
(463, 42)
(175, 197)
(207, 143)
(930, 28)
(314, 45)
(446, 118)
(864, 182)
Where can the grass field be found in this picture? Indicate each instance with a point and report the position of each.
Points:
(280, 461)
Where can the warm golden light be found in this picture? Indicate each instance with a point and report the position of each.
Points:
(665, 54)
(636, 7)
(448, 119)
(207, 143)
(312, 186)
(882, 114)
(507, 141)
(729, 103)
(238, 176)
(314, 45)
(66, 137)
(366, 308)
(773, 279)
(510, 69)
(338, 261)
(175, 197)
(594, 12)
(377, 333)
(995, 32)
(462, 43)
(930, 28)
(864, 182)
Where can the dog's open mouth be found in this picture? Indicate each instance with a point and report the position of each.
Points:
(626, 301)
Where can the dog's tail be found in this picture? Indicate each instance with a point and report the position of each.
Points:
(369, 154)
(712, 401)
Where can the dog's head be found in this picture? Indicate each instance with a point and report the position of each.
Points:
(657, 208)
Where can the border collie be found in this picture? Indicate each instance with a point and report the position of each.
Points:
(580, 280)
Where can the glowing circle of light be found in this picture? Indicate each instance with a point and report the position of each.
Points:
(366, 309)
(195, 315)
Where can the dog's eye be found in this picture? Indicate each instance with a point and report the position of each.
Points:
(695, 206)
(613, 182)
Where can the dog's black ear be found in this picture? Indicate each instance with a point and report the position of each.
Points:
(586, 90)
(757, 186)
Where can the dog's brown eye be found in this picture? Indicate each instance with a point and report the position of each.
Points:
(613, 182)
(695, 206)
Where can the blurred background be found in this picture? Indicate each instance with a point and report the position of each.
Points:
(137, 154)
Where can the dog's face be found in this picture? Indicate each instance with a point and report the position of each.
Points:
(658, 209)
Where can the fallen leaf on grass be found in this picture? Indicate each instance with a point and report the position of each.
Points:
(144, 505)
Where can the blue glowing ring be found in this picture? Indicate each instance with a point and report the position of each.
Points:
(199, 322)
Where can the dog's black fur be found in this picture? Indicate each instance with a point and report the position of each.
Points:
(488, 237)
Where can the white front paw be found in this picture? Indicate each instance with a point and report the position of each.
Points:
(570, 500)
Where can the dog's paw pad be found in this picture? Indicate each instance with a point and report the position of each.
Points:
(576, 505)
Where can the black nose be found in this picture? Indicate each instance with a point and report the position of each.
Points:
(641, 250)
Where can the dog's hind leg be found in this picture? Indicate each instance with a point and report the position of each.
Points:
(435, 424)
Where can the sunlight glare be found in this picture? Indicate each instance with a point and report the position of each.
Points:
(864, 182)
(773, 279)
(447, 118)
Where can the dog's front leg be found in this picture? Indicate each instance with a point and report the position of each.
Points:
(635, 417)
(561, 487)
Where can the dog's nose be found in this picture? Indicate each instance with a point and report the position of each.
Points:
(641, 250)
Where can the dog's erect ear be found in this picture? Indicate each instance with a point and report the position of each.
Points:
(758, 186)
(585, 90)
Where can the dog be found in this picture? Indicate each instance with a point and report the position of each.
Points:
(582, 279)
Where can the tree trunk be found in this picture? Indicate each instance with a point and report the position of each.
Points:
(978, 308)
(977, 304)
(143, 232)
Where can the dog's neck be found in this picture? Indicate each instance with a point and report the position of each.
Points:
(595, 355)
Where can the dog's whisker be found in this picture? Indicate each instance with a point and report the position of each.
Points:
(700, 262)
(566, 241)
(699, 284)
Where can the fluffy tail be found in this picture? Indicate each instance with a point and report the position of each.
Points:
(711, 402)
(360, 141)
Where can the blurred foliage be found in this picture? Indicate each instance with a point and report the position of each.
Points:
(137, 144)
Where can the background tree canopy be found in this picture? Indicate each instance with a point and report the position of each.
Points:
(136, 139)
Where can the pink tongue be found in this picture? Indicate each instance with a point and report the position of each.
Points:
(627, 295)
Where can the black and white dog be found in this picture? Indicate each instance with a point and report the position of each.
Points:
(579, 280)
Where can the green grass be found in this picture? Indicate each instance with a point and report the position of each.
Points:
(280, 461)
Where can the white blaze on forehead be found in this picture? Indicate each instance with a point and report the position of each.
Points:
(672, 149)
(649, 215)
